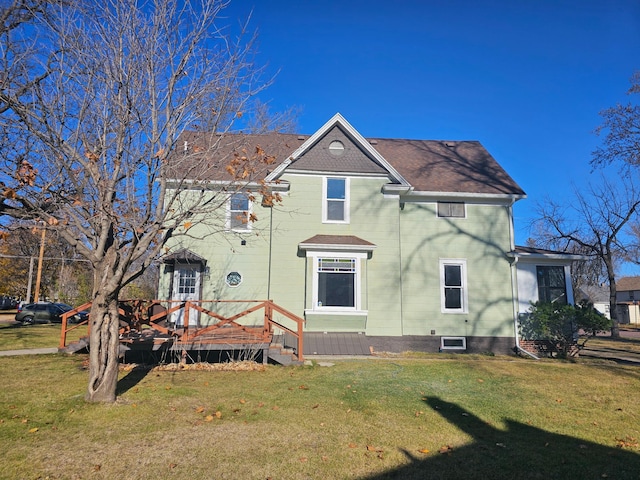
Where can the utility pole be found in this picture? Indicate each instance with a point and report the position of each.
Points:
(28, 298)
(36, 295)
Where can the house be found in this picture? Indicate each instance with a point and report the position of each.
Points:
(627, 298)
(598, 296)
(407, 243)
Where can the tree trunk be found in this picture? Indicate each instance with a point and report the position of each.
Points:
(104, 349)
(613, 311)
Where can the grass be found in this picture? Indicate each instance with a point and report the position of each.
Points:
(14, 336)
(438, 417)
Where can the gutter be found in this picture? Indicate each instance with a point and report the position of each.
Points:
(514, 295)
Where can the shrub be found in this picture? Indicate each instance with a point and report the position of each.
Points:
(560, 324)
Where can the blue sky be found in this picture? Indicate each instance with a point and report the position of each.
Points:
(525, 78)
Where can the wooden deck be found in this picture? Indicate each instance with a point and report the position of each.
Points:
(145, 327)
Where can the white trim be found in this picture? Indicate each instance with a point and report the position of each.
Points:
(464, 287)
(347, 199)
(336, 247)
(357, 308)
(463, 347)
(464, 208)
(249, 210)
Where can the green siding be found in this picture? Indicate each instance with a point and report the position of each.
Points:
(400, 279)
(482, 239)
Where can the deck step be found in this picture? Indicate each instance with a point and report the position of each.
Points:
(75, 347)
(283, 356)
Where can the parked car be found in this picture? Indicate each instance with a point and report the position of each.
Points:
(47, 312)
(7, 303)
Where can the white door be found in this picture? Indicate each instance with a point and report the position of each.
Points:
(186, 286)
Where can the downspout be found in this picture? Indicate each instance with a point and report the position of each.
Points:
(514, 289)
(270, 251)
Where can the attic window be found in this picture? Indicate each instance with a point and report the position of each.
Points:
(336, 148)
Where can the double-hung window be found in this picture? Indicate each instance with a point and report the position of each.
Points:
(552, 286)
(239, 212)
(335, 208)
(453, 286)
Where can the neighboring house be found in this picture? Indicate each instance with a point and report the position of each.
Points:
(627, 298)
(598, 296)
(407, 242)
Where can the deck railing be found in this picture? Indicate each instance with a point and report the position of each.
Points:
(136, 313)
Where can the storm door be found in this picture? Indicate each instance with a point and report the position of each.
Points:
(186, 286)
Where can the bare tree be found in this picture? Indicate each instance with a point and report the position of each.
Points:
(94, 116)
(621, 126)
(595, 223)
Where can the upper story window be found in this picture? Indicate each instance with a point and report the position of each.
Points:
(239, 212)
(335, 208)
(451, 209)
(552, 286)
(453, 286)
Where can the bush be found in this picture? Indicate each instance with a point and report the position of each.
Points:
(560, 324)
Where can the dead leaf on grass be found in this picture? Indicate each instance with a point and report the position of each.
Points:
(33, 430)
(446, 449)
(199, 409)
(424, 450)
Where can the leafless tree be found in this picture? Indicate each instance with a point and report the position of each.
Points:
(621, 129)
(94, 111)
(596, 223)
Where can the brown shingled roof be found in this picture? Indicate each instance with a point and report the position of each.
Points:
(626, 284)
(429, 165)
(350, 240)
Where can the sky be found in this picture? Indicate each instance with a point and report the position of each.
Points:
(525, 78)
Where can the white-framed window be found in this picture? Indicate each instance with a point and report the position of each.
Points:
(337, 281)
(453, 286)
(552, 286)
(335, 201)
(239, 211)
(453, 343)
(451, 210)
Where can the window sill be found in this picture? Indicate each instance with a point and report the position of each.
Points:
(325, 311)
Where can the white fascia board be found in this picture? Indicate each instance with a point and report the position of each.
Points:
(547, 257)
(338, 119)
(211, 184)
(508, 199)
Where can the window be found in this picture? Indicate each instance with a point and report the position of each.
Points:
(453, 343)
(336, 200)
(453, 286)
(336, 281)
(451, 209)
(187, 281)
(239, 212)
(551, 284)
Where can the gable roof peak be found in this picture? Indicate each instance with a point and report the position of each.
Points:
(339, 121)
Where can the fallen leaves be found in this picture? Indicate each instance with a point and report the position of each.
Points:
(627, 442)
(445, 449)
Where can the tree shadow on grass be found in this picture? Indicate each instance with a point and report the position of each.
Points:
(519, 452)
(135, 376)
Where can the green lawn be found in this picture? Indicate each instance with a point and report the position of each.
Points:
(14, 336)
(438, 417)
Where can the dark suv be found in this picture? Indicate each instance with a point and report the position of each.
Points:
(46, 312)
